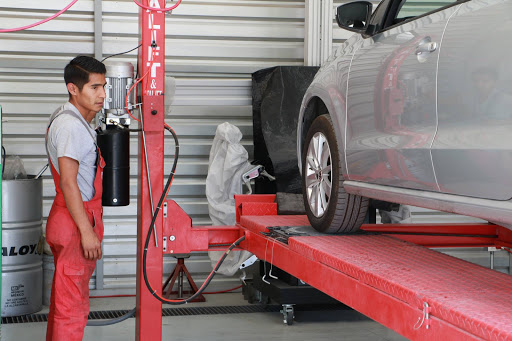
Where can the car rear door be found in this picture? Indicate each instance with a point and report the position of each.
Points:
(472, 152)
(391, 97)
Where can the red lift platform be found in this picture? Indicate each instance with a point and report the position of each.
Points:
(388, 273)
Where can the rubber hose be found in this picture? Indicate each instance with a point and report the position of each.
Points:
(99, 323)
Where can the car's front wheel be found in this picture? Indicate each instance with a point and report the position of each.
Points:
(329, 207)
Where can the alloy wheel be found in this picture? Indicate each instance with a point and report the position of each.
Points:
(318, 174)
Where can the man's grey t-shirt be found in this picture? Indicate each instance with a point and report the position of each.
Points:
(69, 137)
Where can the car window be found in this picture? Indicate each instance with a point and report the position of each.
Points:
(379, 15)
(409, 9)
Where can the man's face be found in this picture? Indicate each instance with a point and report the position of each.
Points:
(90, 99)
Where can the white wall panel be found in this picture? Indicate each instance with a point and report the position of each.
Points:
(212, 47)
(217, 36)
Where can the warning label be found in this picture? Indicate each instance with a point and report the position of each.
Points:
(18, 298)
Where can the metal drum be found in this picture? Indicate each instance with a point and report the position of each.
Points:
(22, 272)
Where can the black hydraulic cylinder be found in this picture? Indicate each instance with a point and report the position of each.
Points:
(114, 143)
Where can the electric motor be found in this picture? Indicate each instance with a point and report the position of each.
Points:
(119, 79)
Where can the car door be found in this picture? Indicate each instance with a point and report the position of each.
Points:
(472, 152)
(391, 96)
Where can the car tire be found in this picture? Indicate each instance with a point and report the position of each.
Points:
(329, 207)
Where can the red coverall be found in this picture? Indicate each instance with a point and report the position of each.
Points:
(69, 302)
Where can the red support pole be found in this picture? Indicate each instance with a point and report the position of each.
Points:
(152, 63)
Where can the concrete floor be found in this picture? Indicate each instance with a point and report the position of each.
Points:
(309, 325)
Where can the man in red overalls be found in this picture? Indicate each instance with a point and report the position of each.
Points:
(74, 229)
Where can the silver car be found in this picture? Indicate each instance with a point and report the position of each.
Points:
(415, 108)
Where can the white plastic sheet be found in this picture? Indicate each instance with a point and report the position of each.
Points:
(14, 169)
(228, 162)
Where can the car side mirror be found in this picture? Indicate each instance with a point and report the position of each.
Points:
(354, 16)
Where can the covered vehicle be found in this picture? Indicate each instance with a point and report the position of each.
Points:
(415, 108)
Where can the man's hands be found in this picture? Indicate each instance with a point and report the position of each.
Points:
(91, 244)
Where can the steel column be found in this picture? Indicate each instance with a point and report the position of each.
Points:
(318, 31)
(98, 54)
(311, 33)
(151, 61)
(326, 34)
(98, 30)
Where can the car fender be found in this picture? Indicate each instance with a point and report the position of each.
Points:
(334, 101)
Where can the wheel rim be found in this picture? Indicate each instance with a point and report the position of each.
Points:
(318, 174)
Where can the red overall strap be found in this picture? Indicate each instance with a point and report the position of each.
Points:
(95, 202)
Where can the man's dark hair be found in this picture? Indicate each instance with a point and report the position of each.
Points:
(78, 70)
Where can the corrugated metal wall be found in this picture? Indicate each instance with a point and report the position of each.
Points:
(212, 47)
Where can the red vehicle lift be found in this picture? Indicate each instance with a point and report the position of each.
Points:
(388, 273)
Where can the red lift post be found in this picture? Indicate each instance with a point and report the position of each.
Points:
(152, 62)
(173, 226)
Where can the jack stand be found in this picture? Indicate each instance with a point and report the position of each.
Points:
(179, 270)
